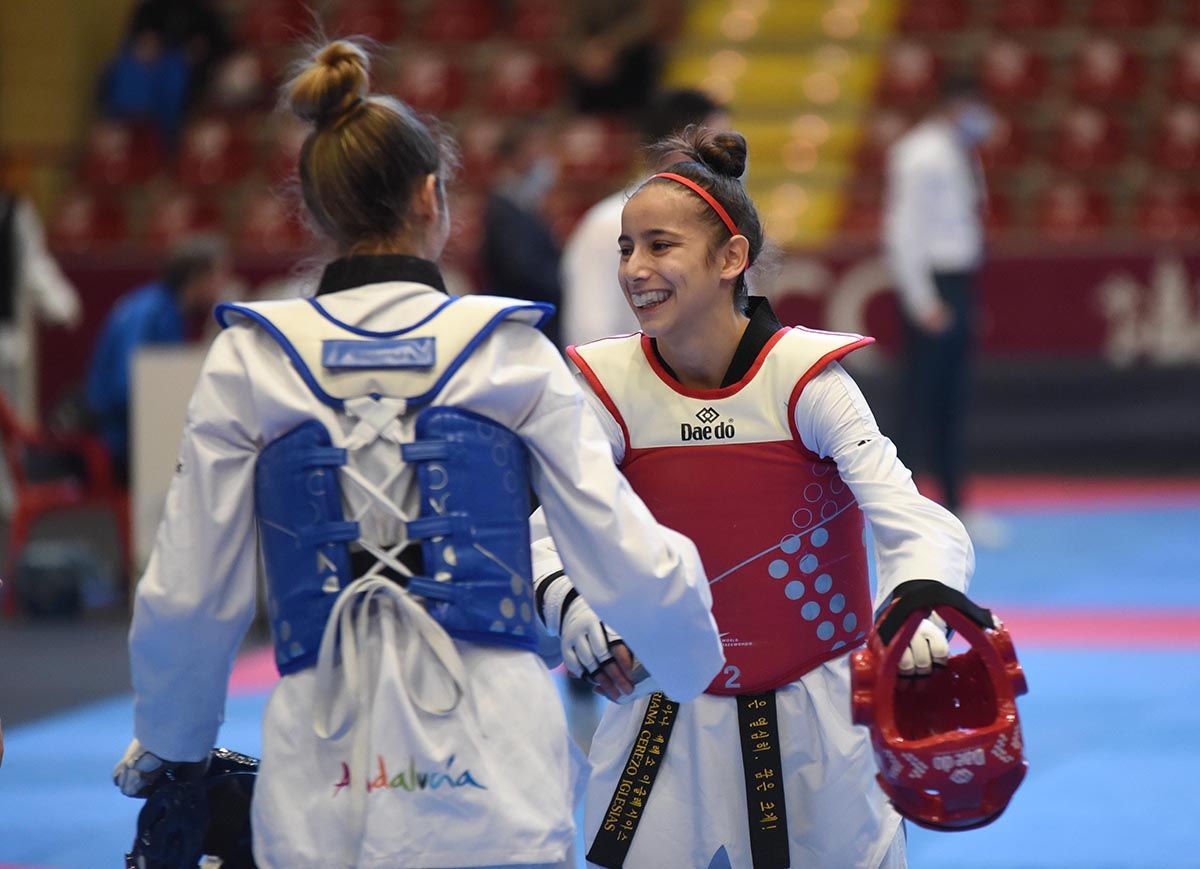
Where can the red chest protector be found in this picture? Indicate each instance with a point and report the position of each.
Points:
(779, 532)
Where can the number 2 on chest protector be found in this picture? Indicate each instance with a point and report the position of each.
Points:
(734, 674)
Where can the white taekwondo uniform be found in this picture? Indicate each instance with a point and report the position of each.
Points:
(492, 780)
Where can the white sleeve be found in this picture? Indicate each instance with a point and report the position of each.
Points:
(41, 277)
(914, 537)
(201, 578)
(905, 228)
(593, 304)
(645, 580)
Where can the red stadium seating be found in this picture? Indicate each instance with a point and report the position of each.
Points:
(213, 151)
(275, 22)
(883, 128)
(910, 73)
(431, 81)
(1122, 14)
(593, 148)
(997, 213)
(87, 222)
(1166, 210)
(466, 226)
(1069, 211)
(268, 224)
(1006, 147)
(933, 16)
(244, 79)
(1184, 77)
(283, 147)
(178, 213)
(1086, 138)
(522, 81)
(1177, 138)
(1029, 14)
(1010, 72)
(381, 20)
(117, 154)
(1105, 70)
(538, 20)
(460, 20)
(864, 207)
(478, 142)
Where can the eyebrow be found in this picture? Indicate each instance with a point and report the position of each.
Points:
(650, 232)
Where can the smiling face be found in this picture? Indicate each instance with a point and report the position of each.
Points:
(673, 279)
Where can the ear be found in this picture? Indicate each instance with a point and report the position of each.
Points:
(428, 201)
(735, 258)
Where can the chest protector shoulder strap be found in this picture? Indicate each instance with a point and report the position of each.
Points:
(472, 472)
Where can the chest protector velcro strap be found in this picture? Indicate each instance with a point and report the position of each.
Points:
(474, 479)
(302, 539)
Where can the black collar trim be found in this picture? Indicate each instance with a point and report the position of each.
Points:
(358, 271)
(763, 324)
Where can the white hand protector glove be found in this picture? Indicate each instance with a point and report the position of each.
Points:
(140, 770)
(929, 646)
(586, 641)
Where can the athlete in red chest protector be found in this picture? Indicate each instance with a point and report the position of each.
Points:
(750, 438)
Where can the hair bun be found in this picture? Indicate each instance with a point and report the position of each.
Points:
(332, 82)
(724, 153)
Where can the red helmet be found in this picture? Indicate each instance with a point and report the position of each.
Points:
(948, 745)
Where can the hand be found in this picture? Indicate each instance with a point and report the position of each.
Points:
(593, 650)
(140, 771)
(929, 646)
(937, 320)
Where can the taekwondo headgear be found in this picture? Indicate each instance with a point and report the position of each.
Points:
(948, 745)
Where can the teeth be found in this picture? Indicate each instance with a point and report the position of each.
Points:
(652, 297)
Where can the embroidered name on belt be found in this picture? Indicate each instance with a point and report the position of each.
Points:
(766, 812)
(637, 778)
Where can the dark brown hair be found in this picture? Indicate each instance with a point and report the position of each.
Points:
(367, 153)
(716, 161)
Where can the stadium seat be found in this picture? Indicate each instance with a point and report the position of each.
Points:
(1029, 14)
(177, 213)
(275, 22)
(94, 486)
(1177, 138)
(884, 127)
(460, 20)
(909, 75)
(282, 157)
(593, 148)
(466, 226)
(1122, 14)
(268, 225)
(1006, 147)
(479, 140)
(933, 16)
(243, 80)
(1011, 72)
(1184, 76)
(1104, 70)
(538, 20)
(863, 209)
(88, 222)
(1086, 138)
(1166, 210)
(431, 81)
(213, 151)
(522, 81)
(997, 212)
(381, 20)
(116, 154)
(1069, 211)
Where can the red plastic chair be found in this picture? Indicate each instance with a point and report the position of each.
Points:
(910, 73)
(267, 225)
(1123, 13)
(538, 20)
(593, 149)
(863, 212)
(382, 20)
(1184, 77)
(466, 226)
(460, 20)
(1087, 139)
(281, 160)
(1167, 211)
(933, 16)
(881, 131)
(479, 141)
(275, 22)
(1006, 147)
(87, 222)
(1105, 70)
(213, 151)
(521, 81)
(176, 214)
(1029, 14)
(35, 499)
(243, 80)
(1177, 138)
(1070, 211)
(117, 153)
(1010, 72)
(431, 82)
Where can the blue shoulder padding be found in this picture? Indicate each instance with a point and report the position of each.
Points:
(474, 531)
(302, 536)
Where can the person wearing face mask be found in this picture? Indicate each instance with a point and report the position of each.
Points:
(369, 453)
(520, 255)
(752, 439)
(933, 240)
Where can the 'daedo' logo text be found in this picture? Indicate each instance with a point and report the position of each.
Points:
(706, 430)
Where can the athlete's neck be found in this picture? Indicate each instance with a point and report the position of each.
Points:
(701, 359)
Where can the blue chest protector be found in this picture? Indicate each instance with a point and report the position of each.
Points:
(473, 475)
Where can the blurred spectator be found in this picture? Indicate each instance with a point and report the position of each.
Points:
(933, 239)
(520, 256)
(163, 63)
(593, 305)
(613, 54)
(32, 287)
(168, 310)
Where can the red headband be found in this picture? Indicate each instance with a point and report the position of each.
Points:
(706, 196)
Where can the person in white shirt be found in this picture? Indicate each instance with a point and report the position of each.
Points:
(933, 239)
(753, 440)
(592, 304)
(370, 453)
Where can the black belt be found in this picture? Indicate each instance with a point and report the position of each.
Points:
(361, 561)
(762, 767)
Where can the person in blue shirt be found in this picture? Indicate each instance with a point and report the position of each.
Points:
(195, 271)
